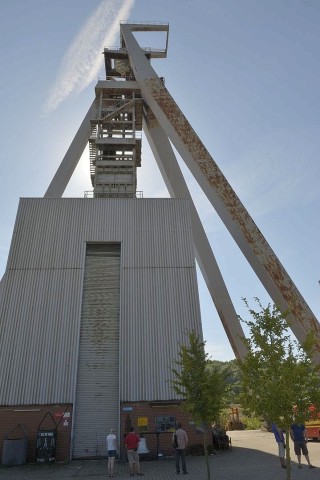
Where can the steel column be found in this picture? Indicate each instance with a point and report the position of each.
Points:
(177, 187)
(72, 157)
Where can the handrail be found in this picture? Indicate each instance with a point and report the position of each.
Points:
(123, 49)
(130, 22)
(117, 79)
(115, 48)
(136, 135)
(90, 194)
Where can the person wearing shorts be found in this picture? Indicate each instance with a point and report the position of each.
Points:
(278, 435)
(132, 441)
(112, 448)
(298, 435)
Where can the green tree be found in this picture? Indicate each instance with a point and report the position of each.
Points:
(202, 388)
(279, 380)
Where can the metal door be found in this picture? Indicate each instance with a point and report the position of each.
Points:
(97, 390)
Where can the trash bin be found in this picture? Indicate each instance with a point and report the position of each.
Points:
(46, 442)
(14, 450)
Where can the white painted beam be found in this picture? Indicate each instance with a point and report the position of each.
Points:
(72, 157)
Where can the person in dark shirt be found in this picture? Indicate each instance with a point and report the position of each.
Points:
(278, 434)
(298, 435)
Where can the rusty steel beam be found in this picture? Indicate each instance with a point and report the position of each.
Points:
(219, 192)
(177, 187)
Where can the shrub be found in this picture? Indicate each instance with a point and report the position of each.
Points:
(252, 423)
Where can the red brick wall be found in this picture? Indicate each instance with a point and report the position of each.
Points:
(145, 409)
(30, 416)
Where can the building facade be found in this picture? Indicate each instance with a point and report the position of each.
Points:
(97, 297)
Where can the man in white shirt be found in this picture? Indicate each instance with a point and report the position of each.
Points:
(112, 448)
(180, 448)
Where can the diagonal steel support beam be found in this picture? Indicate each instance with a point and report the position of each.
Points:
(177, 187)
(119, 110)
(72, 157)
(219, 192)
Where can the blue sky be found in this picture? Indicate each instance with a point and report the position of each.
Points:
(244, 72)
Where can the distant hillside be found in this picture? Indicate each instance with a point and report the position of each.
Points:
(233, 377)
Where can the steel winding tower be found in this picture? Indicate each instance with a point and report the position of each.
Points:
(115, 140)
(99, 292)
(133, 93)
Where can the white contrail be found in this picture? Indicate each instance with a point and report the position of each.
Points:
(82, 61)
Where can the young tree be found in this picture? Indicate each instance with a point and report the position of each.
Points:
(202, 385)
(279, 380)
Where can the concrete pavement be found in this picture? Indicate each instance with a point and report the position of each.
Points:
(253, 456)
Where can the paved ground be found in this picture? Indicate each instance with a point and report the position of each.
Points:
(253, 456)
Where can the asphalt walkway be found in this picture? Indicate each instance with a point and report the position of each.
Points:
(253, 456)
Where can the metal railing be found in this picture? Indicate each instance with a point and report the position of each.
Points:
(128, 22)
(91, 194)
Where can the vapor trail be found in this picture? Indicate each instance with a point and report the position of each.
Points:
(81, 63)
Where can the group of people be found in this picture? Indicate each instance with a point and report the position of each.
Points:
(298, 435)
(132, 440)
(180, 441)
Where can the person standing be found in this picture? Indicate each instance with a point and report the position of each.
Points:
(180, 442)
(112, 448)
(132, 441)
(278, 434)
(298, 435)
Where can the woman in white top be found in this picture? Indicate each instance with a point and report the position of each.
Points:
(112, 448)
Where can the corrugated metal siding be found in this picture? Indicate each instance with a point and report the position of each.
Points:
(97, 392)
(38, 336)
(1, 288)
(158, 313)
(43, 291)
(150, 225)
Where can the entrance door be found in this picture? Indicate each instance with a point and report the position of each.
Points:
(97, 390)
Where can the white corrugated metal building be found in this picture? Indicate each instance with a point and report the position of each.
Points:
(97, 296)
